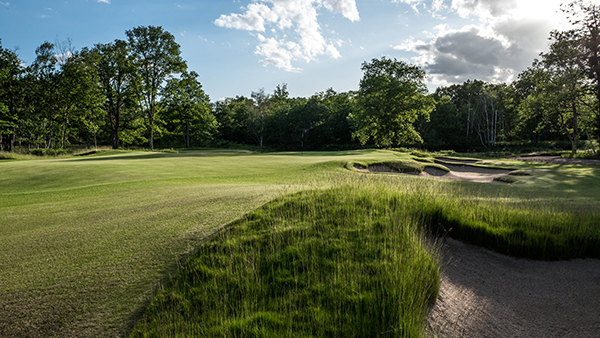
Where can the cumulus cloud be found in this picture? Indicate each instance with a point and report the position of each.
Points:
(296, 20)
(461, 55)
(501, 40)
(347, 8)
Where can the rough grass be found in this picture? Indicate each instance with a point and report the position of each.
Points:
(335, 263)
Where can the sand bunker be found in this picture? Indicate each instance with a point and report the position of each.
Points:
(466, 173)
(457, 172)
(485, 294)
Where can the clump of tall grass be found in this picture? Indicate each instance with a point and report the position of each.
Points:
(528, 229)
(346, 261)
(8, 155)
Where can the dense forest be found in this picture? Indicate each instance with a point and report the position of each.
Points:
(139, 92)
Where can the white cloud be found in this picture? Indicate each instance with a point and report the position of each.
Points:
(347, 8)
(483, 8)
(5, 3)
(296, 21)
(434, 7)
(470, 53)
(502, 39)
(253, 20)
(278, 53)
(104, 1)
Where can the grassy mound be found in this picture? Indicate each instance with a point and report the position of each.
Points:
(337, 263)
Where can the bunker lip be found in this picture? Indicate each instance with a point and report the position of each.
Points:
(463, 173)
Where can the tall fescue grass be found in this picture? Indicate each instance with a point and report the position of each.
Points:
(343, 262)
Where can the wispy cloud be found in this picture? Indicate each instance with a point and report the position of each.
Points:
(294, 31)
(104, 1)
(5, 3)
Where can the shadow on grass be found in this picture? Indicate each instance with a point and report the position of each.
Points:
(208, 153)
(568, 181)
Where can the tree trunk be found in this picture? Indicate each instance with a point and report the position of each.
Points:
(575, 127)
(64, 133)
(12, 139)
(151, 121)
(187, 133)
(591, 142)
(117, 119)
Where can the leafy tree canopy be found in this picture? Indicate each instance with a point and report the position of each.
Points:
(392, 96)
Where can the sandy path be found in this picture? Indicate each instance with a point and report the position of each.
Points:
(485, 294)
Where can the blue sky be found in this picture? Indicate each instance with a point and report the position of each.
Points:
(241, 46)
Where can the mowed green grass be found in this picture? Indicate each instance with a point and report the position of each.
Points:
(87, 241)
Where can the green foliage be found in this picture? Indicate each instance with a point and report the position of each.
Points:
(156, 56)
(445, 127)
(187, 108)
(117, 81)
(391, 97)
(317, 123)
(584, 15)
(232, 115)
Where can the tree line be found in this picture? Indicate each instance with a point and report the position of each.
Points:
(125, 93)
(556, 98)
(139, 92)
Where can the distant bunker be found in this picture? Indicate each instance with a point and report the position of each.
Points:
(458, 172)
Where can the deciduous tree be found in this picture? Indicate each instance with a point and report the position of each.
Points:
(585, 16)
(187, 103)
(156, 57)
(392, 96)
(116, 77)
